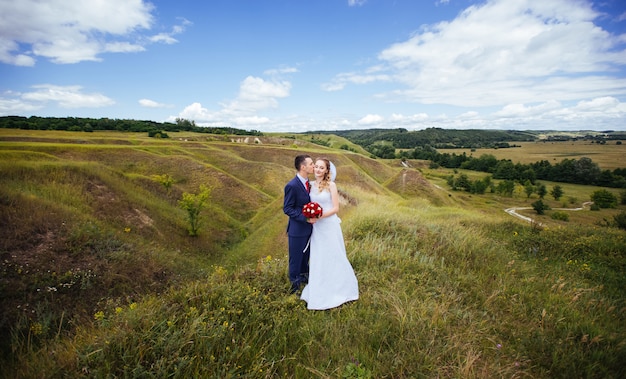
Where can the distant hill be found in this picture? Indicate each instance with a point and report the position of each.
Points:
(440, 138)
(435, 137)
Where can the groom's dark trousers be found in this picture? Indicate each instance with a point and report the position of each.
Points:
(298, 231)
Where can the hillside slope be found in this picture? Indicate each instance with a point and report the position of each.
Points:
(100, 278)
(87, 217)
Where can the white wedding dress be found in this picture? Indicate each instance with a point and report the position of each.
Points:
(331, 278)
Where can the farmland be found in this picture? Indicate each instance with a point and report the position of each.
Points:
(608, 156)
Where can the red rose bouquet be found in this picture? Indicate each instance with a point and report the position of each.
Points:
(312, 210)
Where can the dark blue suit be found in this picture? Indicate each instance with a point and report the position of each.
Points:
(298, 231)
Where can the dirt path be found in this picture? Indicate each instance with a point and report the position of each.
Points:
(513, 211)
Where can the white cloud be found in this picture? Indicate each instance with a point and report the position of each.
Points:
(74, 31)
(502, 52)
(340, 81)
(255, 95)
(353, 3)
(280, 71)
(168, 38)
(251, 120)
(371, 119)
(521, 110)
(399, 118)
(197, 112)
(152, 104)
(66, 97)
(122, 47)
(16, 106)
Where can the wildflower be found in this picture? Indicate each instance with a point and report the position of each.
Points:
(118, 310)
(268, 258)
(515, 234)
(127, 230)
(499, 346)
(99, 315)
(36, 328)
(132, 305)
(170, 323)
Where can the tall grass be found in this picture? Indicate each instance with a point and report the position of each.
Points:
(452, 290)
(444, 293)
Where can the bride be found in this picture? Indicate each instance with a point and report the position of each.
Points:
(331, 278)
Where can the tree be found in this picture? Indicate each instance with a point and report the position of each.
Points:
(528, 174)
(505, 169)
(462, 182)
(480, 186)
(557, 192)
(540, 207)
(604, 199)
(587, 172)
(541, 190)
(506, 187)
(194, 204)
(529, 189)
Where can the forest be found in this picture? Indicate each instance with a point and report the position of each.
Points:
(77, 124)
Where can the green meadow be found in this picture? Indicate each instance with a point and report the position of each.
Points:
(100, 277)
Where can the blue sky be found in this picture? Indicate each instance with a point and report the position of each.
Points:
(306, 65)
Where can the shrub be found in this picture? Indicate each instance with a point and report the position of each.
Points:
(620, 220)
(193, 204)
(166, 180)
(604, 198)
(562, 216)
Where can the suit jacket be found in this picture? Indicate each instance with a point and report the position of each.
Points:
(296, 196)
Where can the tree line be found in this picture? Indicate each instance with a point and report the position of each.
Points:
(575, 171)
(83, 124)
(401, 138)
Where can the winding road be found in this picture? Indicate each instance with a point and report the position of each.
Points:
(513, 211)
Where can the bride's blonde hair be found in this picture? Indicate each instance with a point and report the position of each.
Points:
(326, 178)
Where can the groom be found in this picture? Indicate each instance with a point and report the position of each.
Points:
(299, 227)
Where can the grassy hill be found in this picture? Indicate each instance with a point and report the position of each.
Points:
(100, 277)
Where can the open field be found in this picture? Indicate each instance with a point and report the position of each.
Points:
(99, 277)
(608, 156)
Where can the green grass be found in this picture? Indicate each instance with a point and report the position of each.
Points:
(450, 286)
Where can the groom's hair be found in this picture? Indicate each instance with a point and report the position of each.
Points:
(300, 159)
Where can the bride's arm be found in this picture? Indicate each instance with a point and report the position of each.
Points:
(334, 195)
